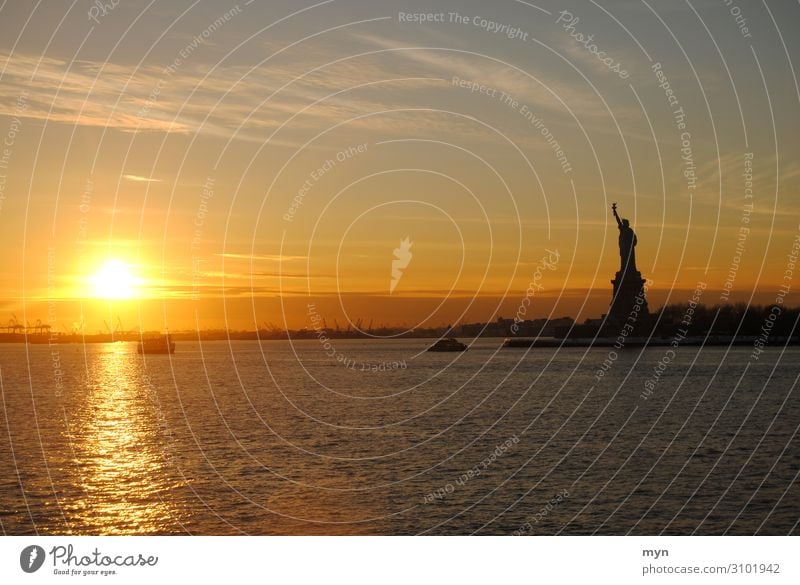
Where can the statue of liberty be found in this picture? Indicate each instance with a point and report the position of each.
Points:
(628, 301)
(627, 243)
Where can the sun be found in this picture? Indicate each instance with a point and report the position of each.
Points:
(114, 280)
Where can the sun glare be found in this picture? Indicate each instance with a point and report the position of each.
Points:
(114, 280)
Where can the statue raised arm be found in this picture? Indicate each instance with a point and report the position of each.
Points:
(616, 215)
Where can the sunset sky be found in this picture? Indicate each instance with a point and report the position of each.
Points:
(182, 164)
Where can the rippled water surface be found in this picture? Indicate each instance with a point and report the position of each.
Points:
(383, 438)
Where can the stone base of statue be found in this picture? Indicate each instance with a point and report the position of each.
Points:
(629, 303)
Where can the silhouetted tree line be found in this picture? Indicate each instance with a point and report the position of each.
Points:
(738, 319)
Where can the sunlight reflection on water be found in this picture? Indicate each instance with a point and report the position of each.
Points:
(118, 445)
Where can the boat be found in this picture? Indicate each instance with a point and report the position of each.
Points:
(447, 344)
(163, 344)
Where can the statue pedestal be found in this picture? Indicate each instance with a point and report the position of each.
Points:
(628, 293)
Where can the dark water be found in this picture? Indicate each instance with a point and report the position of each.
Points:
(275, 438)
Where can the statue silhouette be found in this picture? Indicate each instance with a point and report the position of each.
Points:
(628, 302)
(627, 243)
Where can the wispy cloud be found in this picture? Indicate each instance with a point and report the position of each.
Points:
(235, 101)
(262, 257)
(139, 179)
(539, 90)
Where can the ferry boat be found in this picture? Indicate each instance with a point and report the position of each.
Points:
(447, 344)
(161, 344)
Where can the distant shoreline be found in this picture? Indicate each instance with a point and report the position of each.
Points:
(678, 324)
(509, 342)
